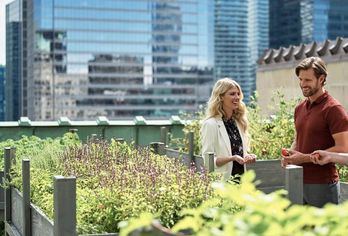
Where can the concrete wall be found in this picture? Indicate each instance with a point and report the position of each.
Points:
(282, 77)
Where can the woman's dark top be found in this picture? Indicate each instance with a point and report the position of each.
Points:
(236, 145)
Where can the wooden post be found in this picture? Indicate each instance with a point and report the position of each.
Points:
(6, 181)
(26, 197)
(157, 148)
(64, 195)
(210, 162)
(136, 138)
(191, 147)
(163, 138)
(294, 183)
(13, 155)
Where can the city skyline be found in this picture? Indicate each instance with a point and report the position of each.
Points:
(87, 58)
(84, 59)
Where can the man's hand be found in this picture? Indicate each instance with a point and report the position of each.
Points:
(320, 157)
(294, 158)
(283, 163)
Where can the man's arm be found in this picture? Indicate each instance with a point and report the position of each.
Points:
(341, 142)
(323, 157)
(341, 145)
(296, 158)
(293, 145)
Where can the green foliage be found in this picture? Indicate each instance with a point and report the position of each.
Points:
(39, 151)
(343, 172)
(127, 182)
(269, 135)
(45, 162)
(144, 220)
(114, 181)
(261, 214)
(193, 124)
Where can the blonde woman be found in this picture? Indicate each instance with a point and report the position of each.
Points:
(225, 129)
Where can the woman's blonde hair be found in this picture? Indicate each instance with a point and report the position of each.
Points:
(214, 106)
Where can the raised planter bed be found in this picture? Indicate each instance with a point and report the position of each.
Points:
(23, 218)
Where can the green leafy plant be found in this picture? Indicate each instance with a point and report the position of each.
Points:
(270, 134)
(257, 214)
(114, 181)
(192, 124)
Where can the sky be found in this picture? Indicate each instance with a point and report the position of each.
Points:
(3, 31)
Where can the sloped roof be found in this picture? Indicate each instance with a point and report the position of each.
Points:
(326, 49)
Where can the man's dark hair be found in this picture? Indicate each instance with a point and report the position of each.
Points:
(316, 63)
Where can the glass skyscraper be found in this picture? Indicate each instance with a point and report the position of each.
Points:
(258, 34)
(241, 35)
(232, 54)
(13, 88)
(122, 58)
(302, 21)
(87, 58)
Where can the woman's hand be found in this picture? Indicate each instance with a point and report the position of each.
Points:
(238, 159)
(249, 158)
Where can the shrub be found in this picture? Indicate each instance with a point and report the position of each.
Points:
(192, 124)
(116, 182)
(269, 135)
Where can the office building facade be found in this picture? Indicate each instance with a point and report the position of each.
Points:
(258, 34)
(13, 87)
(84, 59)
(156, 58)
(240, 36)
(293, 22)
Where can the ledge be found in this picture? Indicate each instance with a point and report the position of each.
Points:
(24, 121)
(102, 120)
(139, 120)
(64, 121)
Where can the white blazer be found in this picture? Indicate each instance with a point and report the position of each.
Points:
(215, 139)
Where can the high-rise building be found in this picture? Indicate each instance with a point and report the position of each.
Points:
(120, 58)
(240, 36)
(258, 33)
(2, 93)
(293, 22)
(13, 87)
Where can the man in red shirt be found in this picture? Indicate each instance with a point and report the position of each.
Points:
(321, 124)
